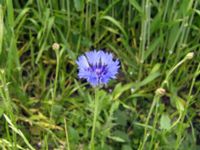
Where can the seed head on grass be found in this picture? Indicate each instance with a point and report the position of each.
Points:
(55, 46)
(97, 67)
(190, 55)
(160, 91)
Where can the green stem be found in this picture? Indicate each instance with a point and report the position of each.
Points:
(57, 71)
(66, 134)
(181, 128)
(172, 70)
(97, 20)
(156, 98)
(154, 126)
(145, 34)
(68, 19)
(56, 81)
(92, 144)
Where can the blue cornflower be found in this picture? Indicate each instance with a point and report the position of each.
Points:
(97, 67)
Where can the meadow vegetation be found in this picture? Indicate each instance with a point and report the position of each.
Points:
(154, 104)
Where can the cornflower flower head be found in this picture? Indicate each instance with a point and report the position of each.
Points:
(97, 67)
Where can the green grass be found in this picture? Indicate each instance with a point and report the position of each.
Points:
(153, 103)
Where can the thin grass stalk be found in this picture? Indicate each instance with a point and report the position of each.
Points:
(154, 125)
(155, 100)
(17, 131)
(68, 19)
(190, 22)
(145, 34)
(97, 20)
(87, 20)
(67, 135)
(172, 16)
(56, 79)
(1, 28)
(181, 129)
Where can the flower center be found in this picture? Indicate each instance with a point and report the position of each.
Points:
(98, 69)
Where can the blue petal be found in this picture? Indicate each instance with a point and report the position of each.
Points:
(106, 58)
(93, 57)
(83, 74)
(93, 80)
(82, 62)
(113, 68)
(105, 79)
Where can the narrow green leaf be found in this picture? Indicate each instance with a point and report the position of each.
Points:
(118, 139)
(44, 34)
(1, 28)
(197, 11)
(4, 142)
(10, 12)
(153, 46)
(135, 4)
(1, 111)
(155, 68)
(116, 23)
(119, 89)
(110, 7)
(150, 78)
(19, 132)
(20, 16)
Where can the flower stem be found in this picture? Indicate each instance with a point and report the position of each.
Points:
(92, 144)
